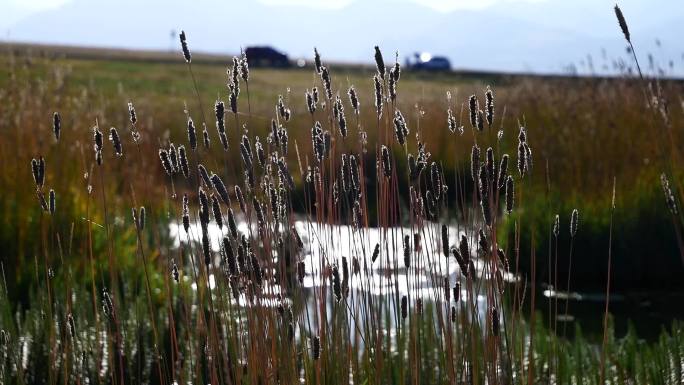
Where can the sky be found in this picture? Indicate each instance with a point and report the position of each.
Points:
(548, 36)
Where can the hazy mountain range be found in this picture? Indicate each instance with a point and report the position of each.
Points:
(544, 36)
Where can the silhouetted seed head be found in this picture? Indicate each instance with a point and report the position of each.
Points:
(206, 247)
(261, 155)
(143, 217)
(108, 305)
(475, 162)
(234, 83)
(669, 196)
(473, 105)
(184, 47)
(376, 253)
(451, 121)
(56, 125)
(392, 86)
(622, 22)
(244, 68)
(419, 306)
(502, 257)
(480, 120)
(258, 211)
(192, 134)
(282, 110)
(310, 104)
(400, 128)
(436, 179)
(301, 272)
(355, 179)
(522, 135)
(205, 137)
(243, 249)
(337, 287)
(336, 192)
(325, 77)
(353, 99)
(71, 325)
(482, 241)
(464, 249)
(457, 292)
(396, 71)
(224, 140)
(357, 217)
(246, 152)
(317, 61)
(484, 199)
(491, 170)
(97, 138)
(232, 224)
(445, 240)
(522, 161)
(166, 162)
(503, 171)
(379, 62)
(344, 171)
(256, 269)
(386, 166)
(317, 142)
(51, 206)
(220, 111)
(183, 161)
(134, 215)
(556, 226)
(404, 307)
(216, 210)
(186, 214)
(205, 176)
(416, 243)
(431, 204)
(356, 266)
(241, 199)
(316, 347)
(131, 114)
(282, 136)
(489, 104)
(510, 194)
(494, 314)
(285, 173)
(407, 251)
(342, 124)
(174, 272)
(38, 170)
(574, 219)
(173, 157)
(378, 95)
(203, 207)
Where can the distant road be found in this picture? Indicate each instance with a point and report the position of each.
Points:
(152, 56)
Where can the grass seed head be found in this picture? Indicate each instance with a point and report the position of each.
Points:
(184, 47)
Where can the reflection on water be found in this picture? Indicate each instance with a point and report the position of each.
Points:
(385, 279)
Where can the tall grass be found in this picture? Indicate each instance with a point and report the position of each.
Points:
(338, 258)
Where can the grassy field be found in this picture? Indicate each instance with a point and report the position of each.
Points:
(96, 290)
